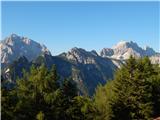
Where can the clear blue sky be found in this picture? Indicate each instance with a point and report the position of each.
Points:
(89, 25)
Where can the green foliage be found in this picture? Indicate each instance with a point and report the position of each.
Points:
(81, 109)
(41, 94)
(102, 98)
(40, 116)
(8, 102)
(156, 91)
(133, 94)
(69, 88)
(39, 90)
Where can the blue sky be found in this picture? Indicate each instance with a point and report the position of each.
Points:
(89, 25)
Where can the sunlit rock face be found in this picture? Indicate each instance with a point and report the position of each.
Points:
(15, 46)
(80, 55)
(123, 50)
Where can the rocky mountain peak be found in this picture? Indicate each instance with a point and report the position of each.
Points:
(106, 52)
(77, 50)
(94, 52)
(80, 55)
(149, 51)
(16, 46)
(14, 36)
(125, 45)
(123, 50)
(121, 44)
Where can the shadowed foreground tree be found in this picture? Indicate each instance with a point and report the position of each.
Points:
(81, 109)
(38, 95)
(134, 94)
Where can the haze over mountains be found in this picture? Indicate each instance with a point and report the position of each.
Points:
(87, 68)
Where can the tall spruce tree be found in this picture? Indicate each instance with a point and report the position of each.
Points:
(134, 94)
(133, 91)
(156, 91)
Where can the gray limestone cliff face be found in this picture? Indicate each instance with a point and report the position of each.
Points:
(14, 46)
(123, 50)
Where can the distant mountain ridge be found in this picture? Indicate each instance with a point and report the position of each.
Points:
(87, 68)
(15, 46)
(123, 50)
(86, 72)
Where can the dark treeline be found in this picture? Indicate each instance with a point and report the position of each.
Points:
(134, 94)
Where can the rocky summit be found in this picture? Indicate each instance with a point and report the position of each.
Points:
(87, 68)
(15, 46)
(123, 50)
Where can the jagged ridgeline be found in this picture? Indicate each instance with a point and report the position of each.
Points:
(87, 68)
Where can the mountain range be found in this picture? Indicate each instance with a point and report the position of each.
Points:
(87, 68)
(15, 46)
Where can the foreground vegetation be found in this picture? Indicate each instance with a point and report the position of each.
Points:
(134, 94)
